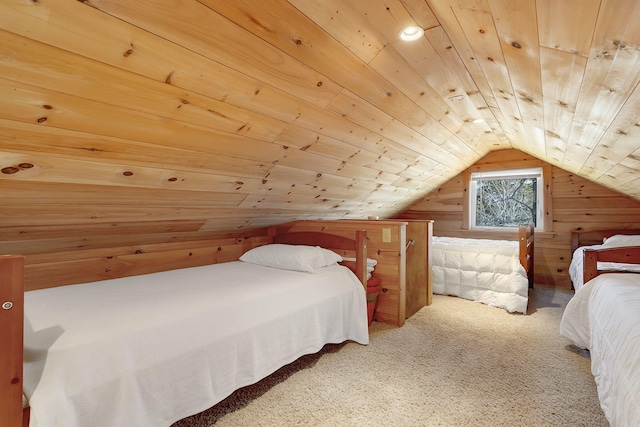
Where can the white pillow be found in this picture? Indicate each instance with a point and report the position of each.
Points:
(291, 257)
(622, 240)
(371, 263)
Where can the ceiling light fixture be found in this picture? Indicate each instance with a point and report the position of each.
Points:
(478, 121)
(411, 33)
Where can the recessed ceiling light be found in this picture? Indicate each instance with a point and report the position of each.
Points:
(411, 33)
(478, 121)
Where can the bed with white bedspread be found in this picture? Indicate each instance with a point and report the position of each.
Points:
(604, 317)
(149, 350)
(483, 270)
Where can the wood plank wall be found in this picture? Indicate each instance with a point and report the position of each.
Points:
(49, 269)
(576, 204)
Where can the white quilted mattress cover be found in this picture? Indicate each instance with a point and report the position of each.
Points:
(484, 270)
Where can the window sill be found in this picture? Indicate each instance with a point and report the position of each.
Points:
(496, 233)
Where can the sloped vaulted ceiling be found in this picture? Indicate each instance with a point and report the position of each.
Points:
(219, 115)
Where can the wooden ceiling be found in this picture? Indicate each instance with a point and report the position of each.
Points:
(191, 118)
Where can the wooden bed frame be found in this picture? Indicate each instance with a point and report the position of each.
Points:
(11, 340)
(337, 243)
(626, 255)
(526, 249)
(12, 288)
(595, 237)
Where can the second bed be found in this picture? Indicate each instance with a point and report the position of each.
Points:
(495, 272)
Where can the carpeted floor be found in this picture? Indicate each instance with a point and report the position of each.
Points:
(454, 363)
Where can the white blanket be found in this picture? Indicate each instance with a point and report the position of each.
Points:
(150, 350)
(484, 270)
(604, 316)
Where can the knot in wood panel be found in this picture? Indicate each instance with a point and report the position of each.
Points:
(9, 170)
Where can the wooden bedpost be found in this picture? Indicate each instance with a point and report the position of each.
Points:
(589, 265)
(11, 339)
(361, 257)
(271, 232)
(527, 246)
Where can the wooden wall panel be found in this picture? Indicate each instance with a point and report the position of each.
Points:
(576, 204)
(56, 69)
(231, 114)
(611, 76)
(86, 265)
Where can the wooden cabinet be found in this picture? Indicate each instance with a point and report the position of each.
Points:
(418, 266)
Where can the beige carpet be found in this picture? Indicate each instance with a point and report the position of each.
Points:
(455, 363)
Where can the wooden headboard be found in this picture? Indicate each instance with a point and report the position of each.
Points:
(595, 237)
(329, 241)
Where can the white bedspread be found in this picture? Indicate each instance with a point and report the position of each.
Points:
(150, 350)
(604, 316)
(484, 270)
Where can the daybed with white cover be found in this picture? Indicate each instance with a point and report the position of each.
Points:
(495, 272)
(604, 317)
(152, 349)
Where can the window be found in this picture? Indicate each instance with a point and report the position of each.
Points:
(506, 198)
